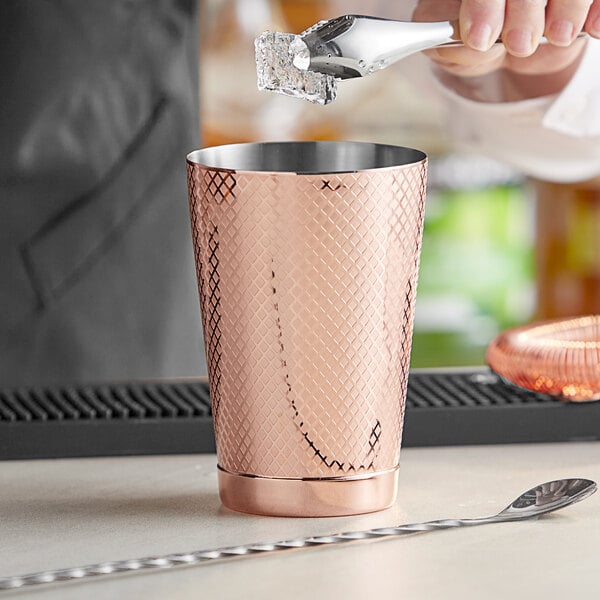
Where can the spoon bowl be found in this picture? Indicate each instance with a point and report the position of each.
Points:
(548, 497)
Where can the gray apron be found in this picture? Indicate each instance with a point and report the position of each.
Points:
(97, 111)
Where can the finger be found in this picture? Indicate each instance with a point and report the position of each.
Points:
(546, 59)
(592, 23)
(565, 19)
(523, 26)
(481, 22)
(461, 61)
(465, 62)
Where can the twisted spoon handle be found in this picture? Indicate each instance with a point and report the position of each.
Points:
(169, 561)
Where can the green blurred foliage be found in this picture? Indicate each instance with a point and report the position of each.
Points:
(476, 276)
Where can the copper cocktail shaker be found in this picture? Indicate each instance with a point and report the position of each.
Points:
(307, 256)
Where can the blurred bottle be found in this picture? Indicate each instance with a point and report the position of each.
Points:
(567, 249)
(301, 14)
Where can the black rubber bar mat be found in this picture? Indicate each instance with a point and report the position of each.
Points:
(452, 407)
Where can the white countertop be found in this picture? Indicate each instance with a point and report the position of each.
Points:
(64, 513)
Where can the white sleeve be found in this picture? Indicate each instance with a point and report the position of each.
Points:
(555, 138)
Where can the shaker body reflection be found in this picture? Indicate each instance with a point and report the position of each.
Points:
(307, 257)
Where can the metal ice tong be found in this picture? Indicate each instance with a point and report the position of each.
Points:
(356, 45)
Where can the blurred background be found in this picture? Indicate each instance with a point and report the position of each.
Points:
(498, 250)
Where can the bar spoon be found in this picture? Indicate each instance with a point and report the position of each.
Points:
(542, 499)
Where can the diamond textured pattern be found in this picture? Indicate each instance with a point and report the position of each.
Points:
(307, 285)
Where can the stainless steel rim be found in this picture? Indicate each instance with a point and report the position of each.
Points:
(306, 157)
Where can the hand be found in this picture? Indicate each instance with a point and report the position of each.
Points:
(520, 24)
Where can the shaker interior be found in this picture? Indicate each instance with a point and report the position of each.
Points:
(306, 157)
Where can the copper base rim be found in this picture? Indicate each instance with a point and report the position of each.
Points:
(327, 497)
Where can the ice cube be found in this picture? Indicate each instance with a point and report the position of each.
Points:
(275, 70)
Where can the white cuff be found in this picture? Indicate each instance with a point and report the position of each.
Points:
(576, 111)
(555, 138)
